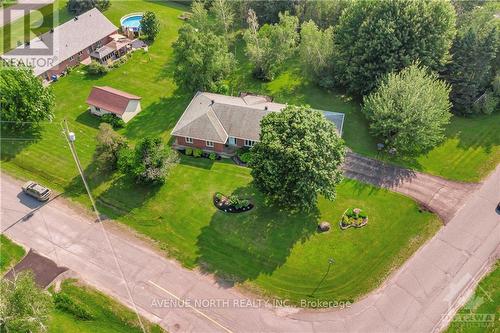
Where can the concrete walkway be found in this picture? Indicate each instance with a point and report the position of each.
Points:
(416, 298)
(443, 197)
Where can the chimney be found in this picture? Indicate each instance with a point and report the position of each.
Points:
(265, 107)
(212, 103)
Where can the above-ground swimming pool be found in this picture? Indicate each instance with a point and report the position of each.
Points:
(131, 21)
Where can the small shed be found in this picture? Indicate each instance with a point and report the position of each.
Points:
(103, 100)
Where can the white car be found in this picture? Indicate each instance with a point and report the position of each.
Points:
(37, 191)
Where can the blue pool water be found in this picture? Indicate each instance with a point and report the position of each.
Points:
(132, 22)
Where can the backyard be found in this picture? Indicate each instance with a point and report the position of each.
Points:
(266, 249)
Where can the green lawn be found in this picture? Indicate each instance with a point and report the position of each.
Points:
(267, 249)
(109, 315)
(482, 311)
(10, 254)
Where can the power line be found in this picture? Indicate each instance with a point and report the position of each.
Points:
(80, 169)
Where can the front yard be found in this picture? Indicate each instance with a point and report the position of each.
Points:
(267, 249)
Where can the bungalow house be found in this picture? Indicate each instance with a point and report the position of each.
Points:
(67, 45)
(222, 124)
(104, 100)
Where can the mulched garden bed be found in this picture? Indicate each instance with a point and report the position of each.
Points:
(232, 204)
(353, 217)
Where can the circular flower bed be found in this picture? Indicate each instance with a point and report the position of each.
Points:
(353, 217)
(231, 204)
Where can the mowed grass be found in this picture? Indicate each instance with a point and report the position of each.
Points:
(266, 249)
(109, 315)
(481, 312)
(10, 254)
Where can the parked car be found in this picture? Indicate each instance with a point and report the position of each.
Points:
(37, 191)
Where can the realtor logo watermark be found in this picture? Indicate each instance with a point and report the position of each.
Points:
(28, 35)
(242, 303)
(469, 315)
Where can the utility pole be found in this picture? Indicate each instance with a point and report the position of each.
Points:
(70, 138)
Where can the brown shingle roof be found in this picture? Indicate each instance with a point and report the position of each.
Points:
(63, 42)
(110, 99)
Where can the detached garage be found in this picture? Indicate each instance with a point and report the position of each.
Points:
(103, 100)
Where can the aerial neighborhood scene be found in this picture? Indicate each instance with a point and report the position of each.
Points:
(250, 166)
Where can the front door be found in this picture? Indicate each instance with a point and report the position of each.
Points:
(231, 141)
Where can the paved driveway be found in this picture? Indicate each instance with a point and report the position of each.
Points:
(414, 299)
(443, 197)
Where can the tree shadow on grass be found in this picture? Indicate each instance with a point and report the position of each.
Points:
(88, 119)
(124, 195)
(13, 141)
(158, 117)
(197, 162)
(240, 247)
(476, 131)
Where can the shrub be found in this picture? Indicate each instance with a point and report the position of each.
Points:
(212, 156)
(65, 303)
(95, 68)
(113, 120)
(197, 152)
(244, 154)
(189, 151)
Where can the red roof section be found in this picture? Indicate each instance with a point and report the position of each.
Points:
(110, 99)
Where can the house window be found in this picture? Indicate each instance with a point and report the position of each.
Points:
(80, 53)
(210, 144)
(231, 141)
(71, 58)
(249, 143)
(189, 140)
(98, 109)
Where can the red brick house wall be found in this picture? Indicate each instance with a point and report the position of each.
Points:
(57, 70)
(201, 144)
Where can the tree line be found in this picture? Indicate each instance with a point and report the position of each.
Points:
(369, 48)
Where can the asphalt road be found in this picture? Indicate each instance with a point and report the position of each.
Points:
(419, 297)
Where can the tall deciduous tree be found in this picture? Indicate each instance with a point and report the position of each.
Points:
(409, 110)
(150, 162)
(224, 15)
(376, 37)
(271, 45)
(199, 18)
(24, 100)
(324, 13)
(81, 6)
(150, 25)
(475, 56)
(23, 306)
(298, 157)
(202, 60)
(316, 53)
